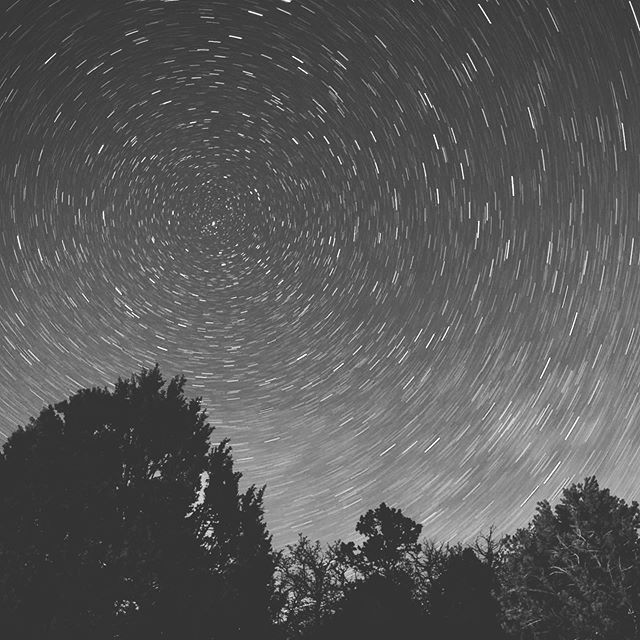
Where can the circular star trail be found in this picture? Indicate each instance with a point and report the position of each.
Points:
(393, 245)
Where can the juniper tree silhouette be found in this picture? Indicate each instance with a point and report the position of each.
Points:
(101, 531)
(390, 546)
(574, 572)
(381, 601)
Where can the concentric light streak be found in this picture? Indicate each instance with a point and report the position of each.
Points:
(395, 245)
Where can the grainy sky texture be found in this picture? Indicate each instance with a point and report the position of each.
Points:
(395, 245)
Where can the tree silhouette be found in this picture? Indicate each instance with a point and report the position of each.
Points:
(390, 547)
(376, 608)
(575, 571)
(310, 584)
(101, 532)
(232, 530)
(462, 602)
(381, 602)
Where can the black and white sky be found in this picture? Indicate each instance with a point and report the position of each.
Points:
(394, 245)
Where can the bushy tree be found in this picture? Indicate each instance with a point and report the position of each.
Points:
(390, 547)
(381, 600)
(574, 572)
(101, 532)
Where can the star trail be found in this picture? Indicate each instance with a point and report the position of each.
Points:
(395, 246)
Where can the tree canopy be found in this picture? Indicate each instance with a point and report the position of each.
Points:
(574, 572)
(389, 546)
(102, 533)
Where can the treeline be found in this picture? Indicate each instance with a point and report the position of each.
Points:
(119, 519)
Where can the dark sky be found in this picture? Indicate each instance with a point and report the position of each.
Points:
(394, 245)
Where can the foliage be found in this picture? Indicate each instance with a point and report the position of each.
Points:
(381, 598)
(100, 535)
(390, 547)
(574, 572)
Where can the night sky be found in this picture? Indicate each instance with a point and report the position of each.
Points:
(394, 245)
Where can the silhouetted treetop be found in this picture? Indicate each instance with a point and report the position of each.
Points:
(105, 530)
(574, 572)
(390, 541)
